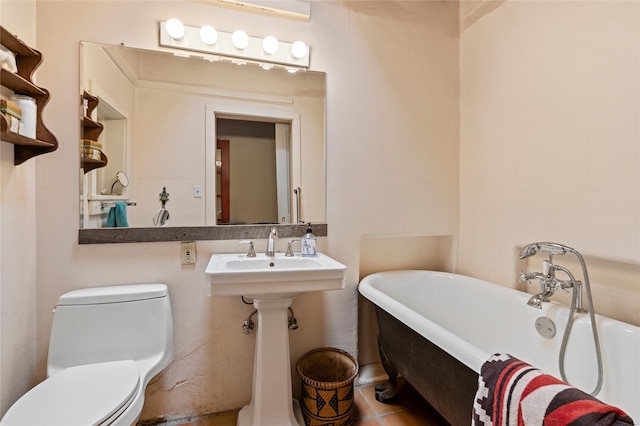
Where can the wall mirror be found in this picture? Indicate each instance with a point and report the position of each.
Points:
(234, 145)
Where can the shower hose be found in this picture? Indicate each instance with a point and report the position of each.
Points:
(567, 330)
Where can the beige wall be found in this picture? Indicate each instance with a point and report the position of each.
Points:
(392, 171)
(549, 143)
(548, 95)
(17, 247)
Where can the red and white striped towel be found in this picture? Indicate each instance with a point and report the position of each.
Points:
(512, 392)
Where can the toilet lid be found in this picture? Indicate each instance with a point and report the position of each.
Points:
(83, 395)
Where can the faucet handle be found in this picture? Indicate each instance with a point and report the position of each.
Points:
(290, 252)
(525, 277)
(528, 276)
(251, 252)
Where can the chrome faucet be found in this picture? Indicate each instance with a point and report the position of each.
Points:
(549, 283)
(252, 251)
(271, 242)
(290, 252)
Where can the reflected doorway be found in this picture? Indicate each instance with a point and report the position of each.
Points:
(222, 181)
(252, 171)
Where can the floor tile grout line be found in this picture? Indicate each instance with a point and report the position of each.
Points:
(366, 400)
(376, 415)
(399, 408)
(373, 410)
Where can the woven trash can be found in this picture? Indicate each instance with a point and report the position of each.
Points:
(327, 387)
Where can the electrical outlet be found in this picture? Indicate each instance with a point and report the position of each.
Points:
(188, 252)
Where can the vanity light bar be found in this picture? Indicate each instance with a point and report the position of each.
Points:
(234, 45)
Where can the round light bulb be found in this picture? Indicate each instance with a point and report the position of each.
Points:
(298, 49)
(175, 28)
(292, 70)
(208, 35)
(270, 45)
(240, 39)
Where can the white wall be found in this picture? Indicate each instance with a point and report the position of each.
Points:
(550, 151)
(170, 155)
(392, 171)
(17, 245)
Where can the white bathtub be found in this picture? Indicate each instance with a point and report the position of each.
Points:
(471, 319)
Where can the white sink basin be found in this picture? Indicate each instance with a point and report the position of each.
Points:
(272, 276)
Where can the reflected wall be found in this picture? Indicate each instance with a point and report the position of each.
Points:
(168, 100)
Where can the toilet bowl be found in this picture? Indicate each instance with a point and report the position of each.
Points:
(106, 344)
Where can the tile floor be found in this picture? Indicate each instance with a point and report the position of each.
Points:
(408, 409)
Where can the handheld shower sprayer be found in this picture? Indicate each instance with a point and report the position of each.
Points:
(549, 248)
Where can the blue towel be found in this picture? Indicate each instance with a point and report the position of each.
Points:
(117, 217)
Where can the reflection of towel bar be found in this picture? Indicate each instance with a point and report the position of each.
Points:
(109, 204)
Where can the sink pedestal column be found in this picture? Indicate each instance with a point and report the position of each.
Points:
(272, 401)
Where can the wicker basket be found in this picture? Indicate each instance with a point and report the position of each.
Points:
(327, 386)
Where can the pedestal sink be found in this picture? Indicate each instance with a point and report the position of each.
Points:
(272, 282)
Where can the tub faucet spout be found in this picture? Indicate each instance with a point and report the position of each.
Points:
(536, 300)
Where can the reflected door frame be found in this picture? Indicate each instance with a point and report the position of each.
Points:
(223, 174)
(245, 111)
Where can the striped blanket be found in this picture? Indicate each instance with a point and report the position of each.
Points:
(512, 392)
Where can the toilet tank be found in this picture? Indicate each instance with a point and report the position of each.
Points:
(110, 324)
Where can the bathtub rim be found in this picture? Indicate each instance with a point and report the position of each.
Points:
(471, 356)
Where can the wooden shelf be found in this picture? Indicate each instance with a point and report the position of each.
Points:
(91, 129)
(27, 60)
(88, 123)
(92, 102)
(89, 164)
(16, 45)
(20, 85)
(21, 140)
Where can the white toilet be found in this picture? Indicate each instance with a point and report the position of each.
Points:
(106, 344)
